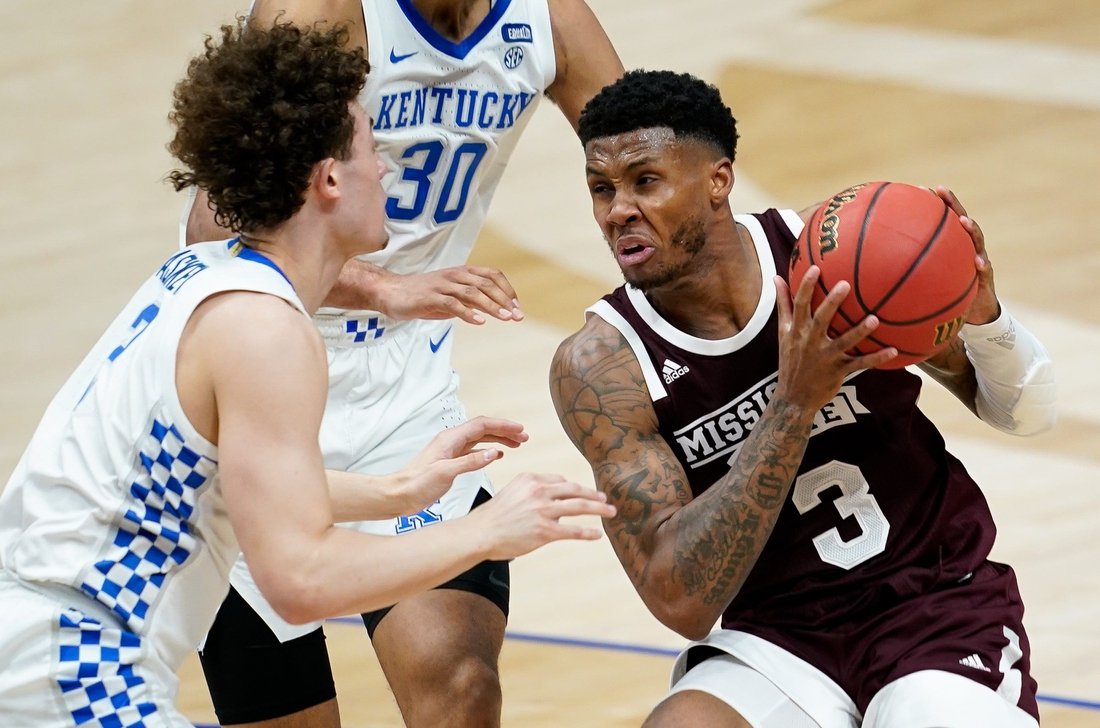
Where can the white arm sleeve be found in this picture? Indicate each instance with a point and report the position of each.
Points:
(1016, 389)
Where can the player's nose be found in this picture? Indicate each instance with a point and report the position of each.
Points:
(623, 211)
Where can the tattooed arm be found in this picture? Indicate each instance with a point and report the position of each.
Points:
(686, 557)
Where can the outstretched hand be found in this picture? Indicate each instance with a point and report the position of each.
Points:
(464, 292)
(812, 366)
(985, 308)
(525, 514)
(452, 452)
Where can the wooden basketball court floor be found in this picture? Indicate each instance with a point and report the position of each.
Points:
(999, 99)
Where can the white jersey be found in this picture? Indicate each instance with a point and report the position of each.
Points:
(117, 494)
(447, 117)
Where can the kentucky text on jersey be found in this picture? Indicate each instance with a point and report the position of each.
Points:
(450, 106)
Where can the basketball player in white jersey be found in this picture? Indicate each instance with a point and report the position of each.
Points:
(453, 84)
(192, 424)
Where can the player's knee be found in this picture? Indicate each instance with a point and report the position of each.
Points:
(474, 684)
(692, 708)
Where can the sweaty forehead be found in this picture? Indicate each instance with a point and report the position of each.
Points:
(629, 146)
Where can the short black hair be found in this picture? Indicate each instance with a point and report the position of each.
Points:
(258, 109)
(646, 99)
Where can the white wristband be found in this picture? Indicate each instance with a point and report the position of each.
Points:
(1016, 389)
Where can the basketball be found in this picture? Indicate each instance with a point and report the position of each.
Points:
(908, 259)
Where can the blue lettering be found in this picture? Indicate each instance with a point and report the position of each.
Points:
(517, 33)
(384, 112)
(402, 119)
(462, 104)
(524, 99)
(179, 269)
(440, 95)
(508, 112)
(420, 105)
(138, 327)
(485, 101)
(426, 517)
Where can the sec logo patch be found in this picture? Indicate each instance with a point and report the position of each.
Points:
(513, 57)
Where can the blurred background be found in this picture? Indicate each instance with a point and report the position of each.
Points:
(997, 99)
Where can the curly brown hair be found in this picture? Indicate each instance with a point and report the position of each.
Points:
(256, 111)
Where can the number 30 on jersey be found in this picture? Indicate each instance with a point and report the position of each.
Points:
(422, 161)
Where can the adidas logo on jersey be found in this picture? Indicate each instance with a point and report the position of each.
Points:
(673, 371)
(975, 662)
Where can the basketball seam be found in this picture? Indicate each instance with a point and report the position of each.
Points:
(916, 263)
(859, 249)
(882, 344)
(936, 314)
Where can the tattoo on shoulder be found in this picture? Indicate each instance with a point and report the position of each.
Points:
(604, 405)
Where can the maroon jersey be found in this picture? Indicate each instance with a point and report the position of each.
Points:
(879, 512)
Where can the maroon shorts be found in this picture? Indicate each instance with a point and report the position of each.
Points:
(974, 629)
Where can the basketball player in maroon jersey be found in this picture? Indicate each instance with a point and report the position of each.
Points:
(762, 475)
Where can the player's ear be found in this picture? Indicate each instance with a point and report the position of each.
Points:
(326, 180)
(721, 180)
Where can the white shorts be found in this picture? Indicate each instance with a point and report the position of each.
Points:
(771, 688)
(64, 666)
(389, 394)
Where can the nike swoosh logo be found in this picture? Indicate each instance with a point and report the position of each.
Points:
(498, 583)
(436, 344)
(394, 58)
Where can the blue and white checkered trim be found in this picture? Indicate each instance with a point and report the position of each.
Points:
(95, 672)
(373, 330)
(155, 535)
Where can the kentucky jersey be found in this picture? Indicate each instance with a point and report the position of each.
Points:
(446, 118)
(879, 510)
(117, 495)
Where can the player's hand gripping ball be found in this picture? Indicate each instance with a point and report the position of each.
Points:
(908, 259)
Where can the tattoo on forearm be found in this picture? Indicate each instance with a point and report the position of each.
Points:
(719, 543)
(603, 403)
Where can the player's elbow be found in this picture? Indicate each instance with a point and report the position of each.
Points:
(295, 597)
(684, 618)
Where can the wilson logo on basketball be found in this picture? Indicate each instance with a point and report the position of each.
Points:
(827, 240)
(947, 330)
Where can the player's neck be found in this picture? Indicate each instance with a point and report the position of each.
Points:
(719, 291)
(306, 253)
(453, 19)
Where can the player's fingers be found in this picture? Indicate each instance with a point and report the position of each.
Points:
(949, 198)
(502, 299)
(783, 302)
(481, 430)
(856, 334)
(870, 361)
(476, 460)
(458, 309)
(578, 507)
(564, 489)
(471, 295)
(505, 286)
(804, 296)
(975, 232)
(573, 532)
(828, 308)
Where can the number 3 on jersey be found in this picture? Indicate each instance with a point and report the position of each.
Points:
(423, 160)
(855, 500)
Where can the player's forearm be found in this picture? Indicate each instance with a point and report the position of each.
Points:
(358, 497)
(707, 549)
(347, 572)
(358, 287)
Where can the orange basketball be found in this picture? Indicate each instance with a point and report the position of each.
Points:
(908, 259)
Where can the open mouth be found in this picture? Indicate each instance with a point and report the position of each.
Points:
(632, 251)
